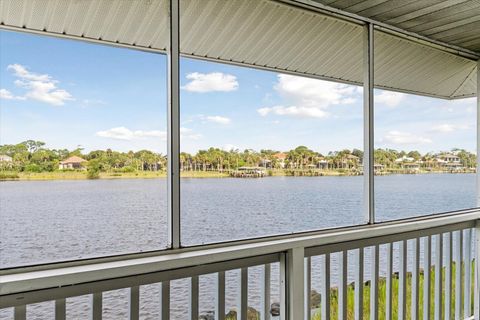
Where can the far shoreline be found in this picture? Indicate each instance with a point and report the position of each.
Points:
(82, 175)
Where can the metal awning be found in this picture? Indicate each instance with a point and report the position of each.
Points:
(265, 34)
(456, 22)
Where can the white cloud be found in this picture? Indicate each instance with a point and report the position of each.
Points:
(309, 98)
(41, 87)
(389, 98)
(443, 128)
(404, 138)
(218, 119)
(446, 128)
(208, 82)
(22, 72)
(301, 112)
(122, 133)
(7, 95)
(186, 133)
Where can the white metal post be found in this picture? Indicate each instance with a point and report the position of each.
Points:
(292, 270)
(477, 272)
(20, 313)
(220, 297)
(243, 295)
(265, 295)
(165, 300)
(134, 303)
(402, 280)
(308, 287)
(427, 256)
(173, 170)
(368, 125)
(478, 133)
(60, 309)
(358, 294)
(374, 265)
(97, 308)
(477, 228)
(194, 293)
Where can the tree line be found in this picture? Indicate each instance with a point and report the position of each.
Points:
(34, 156)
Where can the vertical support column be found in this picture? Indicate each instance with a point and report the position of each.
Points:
(427, 256)
(134, 303)
(97, 309)
(194, 292)
(368, 125)
(477, 264)
(173, 172)
(358, 298)
(374, 265)
(415, 286)
(342, 285)
(60, 309)
(402, 280)
(292, 284)
(220, 297)
(477, 228)
(438, 277)
(20, 313)
(165, 300)
(265, 296)
(448, 276)
(325, 275)
(478, 133)
(243, 294)
(283, 286)
(388, 284)
(458, 273)
(467, 257)
(308, 288)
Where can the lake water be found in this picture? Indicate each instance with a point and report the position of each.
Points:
(45, 221)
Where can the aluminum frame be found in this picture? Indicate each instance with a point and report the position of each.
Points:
(368, 125)
(173, 115)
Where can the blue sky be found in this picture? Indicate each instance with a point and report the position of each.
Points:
(68, 94)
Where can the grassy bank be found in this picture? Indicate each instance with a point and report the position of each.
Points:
(81, 175)
(382, 299)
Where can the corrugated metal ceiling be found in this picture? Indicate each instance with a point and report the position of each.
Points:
(455, 22)
(261, 33)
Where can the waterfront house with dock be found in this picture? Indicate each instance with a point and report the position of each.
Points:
(449, 161)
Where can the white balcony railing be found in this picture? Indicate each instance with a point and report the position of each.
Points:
(383, 264)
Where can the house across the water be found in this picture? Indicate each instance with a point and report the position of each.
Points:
(449, 161)
(73, 162)
(280, 157)
(5, 158)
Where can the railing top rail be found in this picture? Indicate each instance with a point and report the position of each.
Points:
(185, 258)
(84, 288)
